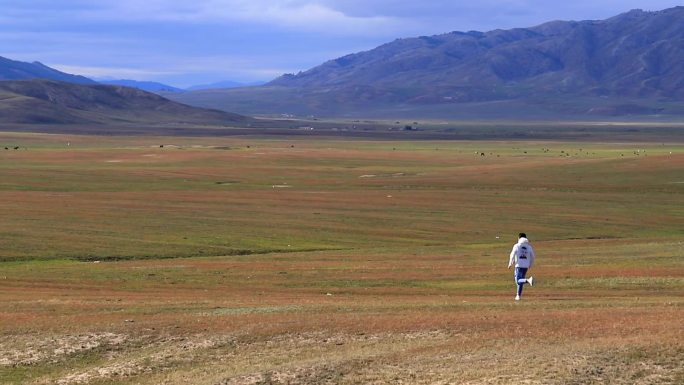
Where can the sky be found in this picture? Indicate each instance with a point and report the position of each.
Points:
(190, 42)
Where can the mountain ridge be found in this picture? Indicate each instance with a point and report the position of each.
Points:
(505, 51)
(18, 70)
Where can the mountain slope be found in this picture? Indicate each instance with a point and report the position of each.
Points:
(46, 101)
(18, 70)
(635, 60)
(638, 53)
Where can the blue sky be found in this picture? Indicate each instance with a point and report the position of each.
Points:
(190, 42)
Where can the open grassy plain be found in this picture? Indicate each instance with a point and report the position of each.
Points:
(338, 261)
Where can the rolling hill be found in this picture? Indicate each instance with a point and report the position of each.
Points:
(53, 102)
(631, 64)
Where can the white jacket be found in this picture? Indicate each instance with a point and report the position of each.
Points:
(522, 254)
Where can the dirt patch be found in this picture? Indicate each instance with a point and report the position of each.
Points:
(49, 350)
(350, 356)
(159, 356)
(318, 374)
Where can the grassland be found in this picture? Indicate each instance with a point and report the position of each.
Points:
(252, 260)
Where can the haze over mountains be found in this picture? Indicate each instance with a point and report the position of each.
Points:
(165, 88)
(224, 84)
(629, 64)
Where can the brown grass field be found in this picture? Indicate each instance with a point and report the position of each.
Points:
(252, 260)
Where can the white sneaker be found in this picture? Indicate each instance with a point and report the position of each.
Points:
(531, 281)
(517, 298)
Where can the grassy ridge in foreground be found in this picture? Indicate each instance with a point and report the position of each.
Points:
(364, 317)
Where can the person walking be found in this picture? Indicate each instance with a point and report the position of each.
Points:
(522, 256)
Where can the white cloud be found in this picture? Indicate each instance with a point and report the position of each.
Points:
(379, 18)
(300, 15)
(326, 16)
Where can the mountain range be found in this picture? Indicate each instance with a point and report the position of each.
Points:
(33, 93)
(18, 70)
(630, 64)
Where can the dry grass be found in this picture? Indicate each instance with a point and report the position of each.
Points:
(184, 264)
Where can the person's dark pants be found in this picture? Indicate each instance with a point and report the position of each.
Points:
(520, 278)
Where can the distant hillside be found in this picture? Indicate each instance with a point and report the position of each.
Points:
(629, 64)
(18, 70)
(52, 102)
(142, 85)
